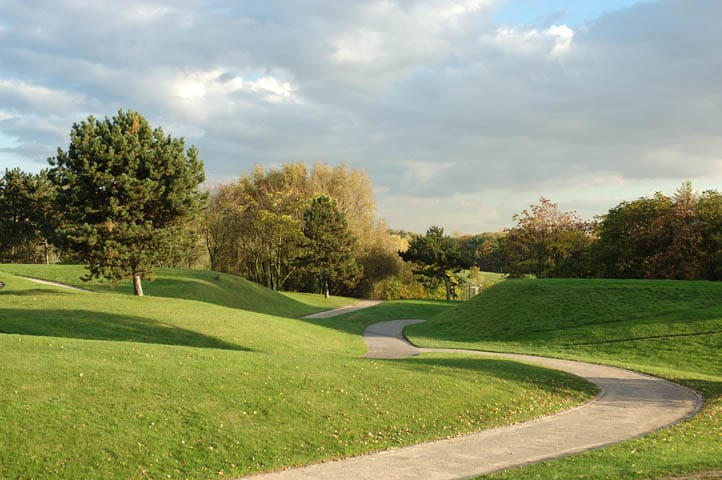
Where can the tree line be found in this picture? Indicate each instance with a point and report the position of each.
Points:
(655, 237)
(126, 198)
(658, 237)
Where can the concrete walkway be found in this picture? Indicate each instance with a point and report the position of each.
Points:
(629, 404)
(56, 284)
(340, 311)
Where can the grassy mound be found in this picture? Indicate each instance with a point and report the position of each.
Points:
(107, 385)
(201, 285)
(666, 328)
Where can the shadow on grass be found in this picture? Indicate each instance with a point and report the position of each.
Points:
(33, 292)
(90, 325)
(213, 288)
(509, 370)
(711, 391)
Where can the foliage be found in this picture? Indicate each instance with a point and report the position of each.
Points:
(436, 256)
(404, 285)
(195, 390)
(253, 227)
(125, 193)
(26, 202)
(548, 243)
(482, 250)
(257, 228)
(330, 247)
(662, 237)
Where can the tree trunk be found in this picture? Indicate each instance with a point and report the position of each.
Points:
(326, 293)
(448, 288)
(137, 286)
(47, 256)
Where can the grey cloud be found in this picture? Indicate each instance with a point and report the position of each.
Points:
(427, 106)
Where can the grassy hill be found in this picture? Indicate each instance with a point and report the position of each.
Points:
(202, 285)
(666, 328)
(107, 385)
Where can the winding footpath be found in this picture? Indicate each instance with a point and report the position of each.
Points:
(55, 284)
(340, 311)
(629, 404)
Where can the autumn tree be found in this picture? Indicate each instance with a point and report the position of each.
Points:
(482, 250)
(709, 213)
(678, 237)
(221, 229)
(125, 194)
(330, 247)
(547, 242)
(253, 226)
(435, 255)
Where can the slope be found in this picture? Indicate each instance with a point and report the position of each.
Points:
(203, 285)
(107, 385)
(666, 328)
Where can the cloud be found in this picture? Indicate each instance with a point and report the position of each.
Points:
(440, 104)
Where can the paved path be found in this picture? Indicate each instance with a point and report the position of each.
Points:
(629, 404)
(340, 311)
(56, 284)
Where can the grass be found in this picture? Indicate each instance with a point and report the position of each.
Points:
(203, 285)
(107, 385)
(666, 328)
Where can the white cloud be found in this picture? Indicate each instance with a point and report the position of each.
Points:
(23, 95)
(272, 89)
(147, 12)
(359, 47)
(417, 173)
(454, 8)
(563, 36)
(555, 40)
(215, 83)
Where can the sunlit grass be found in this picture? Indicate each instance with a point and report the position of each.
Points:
(666, 328)
(107, 385)
(203, 285)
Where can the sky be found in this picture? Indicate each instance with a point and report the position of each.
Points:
(462, 112)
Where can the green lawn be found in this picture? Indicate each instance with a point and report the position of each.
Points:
(203, 285)
(106, 385)
(666, 328)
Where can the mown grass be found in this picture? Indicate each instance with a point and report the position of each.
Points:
(107, 385)
(666, 328)
(201, 285)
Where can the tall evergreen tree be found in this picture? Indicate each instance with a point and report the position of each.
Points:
(25, 214)
(435, 255)
(331, 247)
(125, 192)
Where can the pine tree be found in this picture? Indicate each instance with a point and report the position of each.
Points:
(25, 212)
(331, 246)
(125, 191)
(435, 255)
